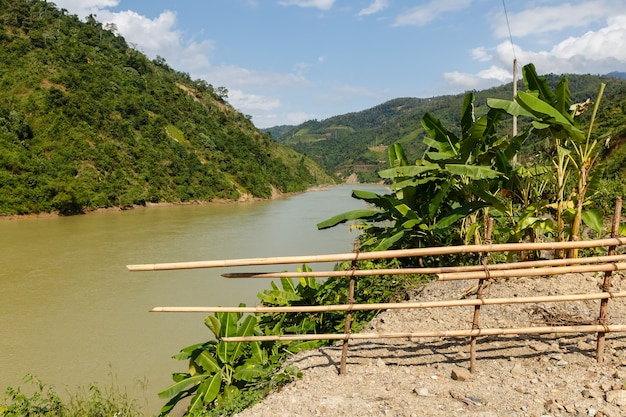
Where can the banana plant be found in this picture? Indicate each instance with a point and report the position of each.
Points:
(290, 294)
(437, 200)
(218, 370)
(572, 153)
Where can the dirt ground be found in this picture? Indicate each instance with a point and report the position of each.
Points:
(516, 375)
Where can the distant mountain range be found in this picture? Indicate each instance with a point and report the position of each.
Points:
(617, 74)
(356, 143)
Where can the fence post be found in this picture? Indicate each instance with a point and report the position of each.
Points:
(606, 285)
(348, 325)
(479, 295)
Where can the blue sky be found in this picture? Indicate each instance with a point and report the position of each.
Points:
(288, 61)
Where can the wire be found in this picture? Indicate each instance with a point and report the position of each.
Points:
(506, 15)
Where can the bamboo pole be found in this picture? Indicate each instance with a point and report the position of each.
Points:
(592, 328)
(348, 323)
(606, 285)
(479, 295)
(402, 253)
(394, 306)
(427, 270)
(526, 272)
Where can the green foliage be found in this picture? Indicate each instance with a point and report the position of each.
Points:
(45, 402)
(218, 371)
(87, 122)
(225, 378)
(571, 153)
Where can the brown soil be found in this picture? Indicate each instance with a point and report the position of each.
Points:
(518, 375)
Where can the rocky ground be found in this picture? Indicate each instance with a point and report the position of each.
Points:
(517, 375)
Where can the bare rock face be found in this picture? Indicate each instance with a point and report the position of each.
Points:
(517, 375)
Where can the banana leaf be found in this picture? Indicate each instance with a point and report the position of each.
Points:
(349, 216)
(475, 172)
(179, 386)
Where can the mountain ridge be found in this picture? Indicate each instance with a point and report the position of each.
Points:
(88, 122)
(356, 142)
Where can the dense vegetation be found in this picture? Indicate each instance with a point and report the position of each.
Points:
(465, 181)
(358, 142)
(87, 121)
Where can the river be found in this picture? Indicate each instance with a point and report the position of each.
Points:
(72, 314)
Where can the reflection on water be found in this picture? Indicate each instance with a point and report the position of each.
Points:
(72, 314)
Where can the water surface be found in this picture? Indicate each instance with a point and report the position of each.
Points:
(72, 314)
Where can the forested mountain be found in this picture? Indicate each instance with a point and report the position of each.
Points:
(87, 121)
(357, 142)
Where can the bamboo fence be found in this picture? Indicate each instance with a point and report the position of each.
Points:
(607, 264)
(389, 254)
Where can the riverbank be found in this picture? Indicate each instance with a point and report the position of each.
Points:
(245, 198)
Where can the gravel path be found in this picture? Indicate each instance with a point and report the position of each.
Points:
(517, 375)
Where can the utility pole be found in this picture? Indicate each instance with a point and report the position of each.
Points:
(514, 93)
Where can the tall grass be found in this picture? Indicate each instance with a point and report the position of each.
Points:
(40, 399)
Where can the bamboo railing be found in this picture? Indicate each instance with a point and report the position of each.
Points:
(607, 264)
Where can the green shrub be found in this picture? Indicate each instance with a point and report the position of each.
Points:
(45, 402)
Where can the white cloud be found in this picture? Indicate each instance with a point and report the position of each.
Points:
(494, 75)
(238, 77)
(320, 4)
(249, 102)
(374, 8)
(151, 35)
(299, 117)
(481, 54)
(83, 8)
(593, 52)
(538, 20)
(421, 15)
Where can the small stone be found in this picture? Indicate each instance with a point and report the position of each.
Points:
(517, 369)
(591, 393)
(460, 374)
(616, 397)
(422, 392)
(553, 405)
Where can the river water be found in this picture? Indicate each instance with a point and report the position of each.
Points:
(72, 314)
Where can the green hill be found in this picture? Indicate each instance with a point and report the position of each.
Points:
(86, 122)
(357, 142)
